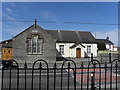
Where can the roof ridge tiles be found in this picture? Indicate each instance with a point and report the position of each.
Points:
(67, 30)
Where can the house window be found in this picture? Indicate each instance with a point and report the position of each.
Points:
(61, 49)
(8, 51)
(88, 50)
(34, 45)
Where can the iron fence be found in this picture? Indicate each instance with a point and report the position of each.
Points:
(94, 76)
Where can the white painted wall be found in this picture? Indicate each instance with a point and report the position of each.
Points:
(72, 52)
(93, 49)
(67, 50)
(115, 49)
(110, 47)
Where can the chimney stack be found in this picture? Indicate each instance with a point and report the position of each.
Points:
(107, 38)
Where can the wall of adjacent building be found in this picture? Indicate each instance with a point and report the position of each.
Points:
(71, 52)
(93, 49)
(20, 47)
(110, 47)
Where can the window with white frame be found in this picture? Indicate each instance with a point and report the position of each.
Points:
(89, 50)
(34, 45)
(61, 49)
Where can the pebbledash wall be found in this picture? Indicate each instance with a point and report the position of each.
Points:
(19, 46)
(71, 52)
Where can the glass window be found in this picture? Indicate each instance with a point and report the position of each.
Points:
(8, 51)
(61, 49)
(89, 50)
(35, 45)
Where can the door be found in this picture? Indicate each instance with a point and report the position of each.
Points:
(78, 52)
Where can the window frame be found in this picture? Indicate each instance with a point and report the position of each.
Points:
(89, 49)
(30, 47)
(61, 49)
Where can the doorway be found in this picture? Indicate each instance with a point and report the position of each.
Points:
(78, 52)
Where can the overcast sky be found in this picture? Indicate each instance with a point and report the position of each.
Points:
(100, 18)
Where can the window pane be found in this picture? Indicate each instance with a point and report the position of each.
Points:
(88, 50)
(38, 46)
(61, 49)
(34, 44)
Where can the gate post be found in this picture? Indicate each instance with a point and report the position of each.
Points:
(92, 81)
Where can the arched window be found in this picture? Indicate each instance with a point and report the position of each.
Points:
(34, 45)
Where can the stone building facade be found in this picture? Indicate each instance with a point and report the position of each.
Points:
(47, 50)
(36, 43)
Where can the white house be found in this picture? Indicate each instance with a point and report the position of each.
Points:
(109, 44)
(75, 44)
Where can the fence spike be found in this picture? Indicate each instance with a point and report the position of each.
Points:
(105, 64)
(55, 66)
(116, 65)
(40, 65)
(82, 65)
(94, 64)
(25, 65)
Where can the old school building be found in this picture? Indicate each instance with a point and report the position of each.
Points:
(36, 43)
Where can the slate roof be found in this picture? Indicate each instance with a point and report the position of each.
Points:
(106, 41)
(62, 36)
(65, 36)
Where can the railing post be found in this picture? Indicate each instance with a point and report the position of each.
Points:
(68, 74)
(2, 78)
(40, 68)
(25, 66)
(55, 67)
(92, 81)
(116, 67)
(105, 73)
(82, 66)
(10, 79)
(110, 57)
(91, 57)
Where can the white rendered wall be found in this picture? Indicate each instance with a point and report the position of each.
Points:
(93, 49)
(109, 47)
(72, 52)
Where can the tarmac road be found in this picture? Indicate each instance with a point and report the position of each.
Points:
(36, 80)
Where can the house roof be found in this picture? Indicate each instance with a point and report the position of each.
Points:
(66, 36)
(62, 36)
(7, 43)
(106, 41)
(32, 26)
(72, 36)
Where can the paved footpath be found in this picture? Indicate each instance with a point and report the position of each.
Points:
(86, 78)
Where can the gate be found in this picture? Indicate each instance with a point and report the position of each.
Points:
(90, 76)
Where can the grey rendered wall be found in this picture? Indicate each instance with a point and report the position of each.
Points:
(20, 47)
(104, 57)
